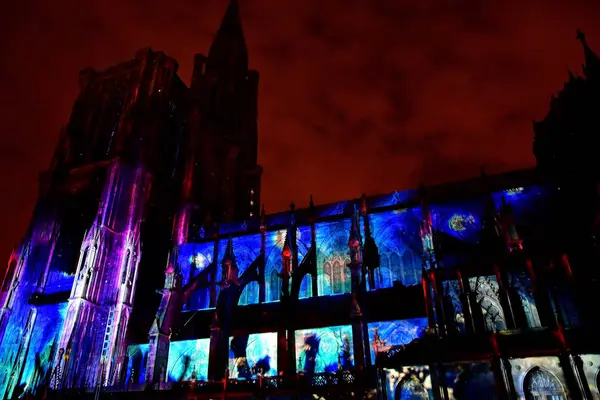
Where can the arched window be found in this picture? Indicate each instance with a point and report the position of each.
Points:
(12, 267)
(541, 384)
(411, 388)
(249, 294)
(306, 287)
(274, 283)
(337, 278)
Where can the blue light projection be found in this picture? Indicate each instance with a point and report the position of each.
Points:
(470, 381)
(529, 204)
(188, 360)
(387, 334)
(193, 258)
(247, 250)
(324, 349)
(390, 199)
(410, 382)
(453, 304)
(42, 346)
(396, 234)
(303, 240)
(274, 263)
(461, 221)
(58, 281)
(137, 355)
(333, 277)
(252, 355)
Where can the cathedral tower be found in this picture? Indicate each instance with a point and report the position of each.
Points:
(222, 174)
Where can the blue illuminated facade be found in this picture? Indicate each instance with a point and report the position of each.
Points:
(152, 267)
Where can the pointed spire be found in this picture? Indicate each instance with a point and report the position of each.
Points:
(355, 239)
(228, 50)
(229, 254)
(286, 251)
(263, 219)
(592, 61)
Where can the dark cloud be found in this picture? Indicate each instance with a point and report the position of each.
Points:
(355, 96)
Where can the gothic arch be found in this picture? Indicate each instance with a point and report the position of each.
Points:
(249, 294)
(305, 287)
(410, 388)
(330, 253)
(389, 238)
(541, 384)
(307, 268)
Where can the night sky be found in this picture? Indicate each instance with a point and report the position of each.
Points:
(355, 96)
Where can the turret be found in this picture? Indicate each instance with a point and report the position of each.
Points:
(356, 262)
(229, 265)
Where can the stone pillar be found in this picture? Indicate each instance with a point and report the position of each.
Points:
(576, 383)
(438, 382)
(219, 351)
(505, 301)
(158, 356)
(282, 352)
(503, 377)
(465, 290)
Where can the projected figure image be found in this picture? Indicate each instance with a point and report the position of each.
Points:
(386, 335)
(324, 350)
(136, 368)
(252, 355)
(188, 360)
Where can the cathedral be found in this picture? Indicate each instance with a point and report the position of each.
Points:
(149, 267)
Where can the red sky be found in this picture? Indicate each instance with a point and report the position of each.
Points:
(355, 96)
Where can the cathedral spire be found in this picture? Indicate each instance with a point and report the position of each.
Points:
(228, 51)
(592, 61)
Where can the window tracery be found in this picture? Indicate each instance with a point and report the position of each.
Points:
(486, 291)
(541, 384)
(411, 389)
